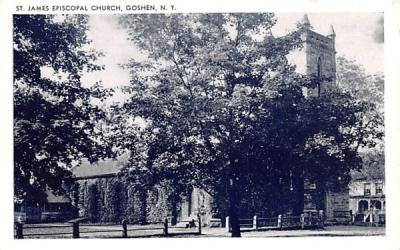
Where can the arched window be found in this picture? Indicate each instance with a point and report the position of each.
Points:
(378, 205)
(319, 75)
(362, 206)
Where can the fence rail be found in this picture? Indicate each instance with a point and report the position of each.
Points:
(75, 229)
(279, 222)
(267, 222)
(52, 226)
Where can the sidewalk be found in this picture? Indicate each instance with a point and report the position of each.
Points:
(327, 231)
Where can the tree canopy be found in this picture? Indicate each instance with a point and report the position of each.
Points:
(55, 119)
(368, 89)
(222, 109)
(213, 104)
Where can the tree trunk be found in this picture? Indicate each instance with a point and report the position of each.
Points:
(298, 192)
(174, 209)
(143, 207)
(233, 208)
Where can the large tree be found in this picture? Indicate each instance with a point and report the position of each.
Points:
(368, 89)
(215, 104)
(55, 116)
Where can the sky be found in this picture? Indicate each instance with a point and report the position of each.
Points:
(359, 36)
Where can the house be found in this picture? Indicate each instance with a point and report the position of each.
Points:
(62, 207)
(56, 208)
(367, 201)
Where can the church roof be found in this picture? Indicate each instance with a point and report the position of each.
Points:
(100, 168)
(53, 198)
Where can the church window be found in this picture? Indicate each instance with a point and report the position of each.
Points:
(319, 75)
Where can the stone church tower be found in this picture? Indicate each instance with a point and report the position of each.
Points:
(317, 57)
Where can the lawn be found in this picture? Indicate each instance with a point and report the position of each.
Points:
(64, 230)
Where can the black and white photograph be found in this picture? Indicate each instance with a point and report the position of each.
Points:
(164, 124)
(189, 125)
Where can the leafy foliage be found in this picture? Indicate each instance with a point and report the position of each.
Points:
(93, 207)
(55, 120)
(369, 90)
(113, 200)
(216, 105)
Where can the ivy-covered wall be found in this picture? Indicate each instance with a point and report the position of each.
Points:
(110, 200)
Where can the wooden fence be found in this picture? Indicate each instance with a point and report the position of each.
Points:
(76, 229)
(369, 219)
(307, 220)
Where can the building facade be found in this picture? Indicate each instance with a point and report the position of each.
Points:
(56, 208)
(367, 201)
(317, 58)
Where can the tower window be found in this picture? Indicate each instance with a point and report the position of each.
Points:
(319, 75)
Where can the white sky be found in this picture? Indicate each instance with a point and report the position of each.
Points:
(354, 40)
(354, 34)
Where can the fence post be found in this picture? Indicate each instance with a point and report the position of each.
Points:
(279, 221)
(375, 220)
(227, 226)
(19, 227)
(255, 222)
(124, 229)
(166, 227)
(199, 219)
(75, 230)
(351, 217)
(371, 218)
(321, 218)
(307, 219)
(302, 221)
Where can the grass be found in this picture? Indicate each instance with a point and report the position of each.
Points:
(64, 230)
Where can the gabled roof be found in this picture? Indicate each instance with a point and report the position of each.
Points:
(53, 198)
(106, 167)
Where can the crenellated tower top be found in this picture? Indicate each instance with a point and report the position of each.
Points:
(317, 56)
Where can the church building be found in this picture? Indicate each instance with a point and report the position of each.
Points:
(317, 57)
(98, 187)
